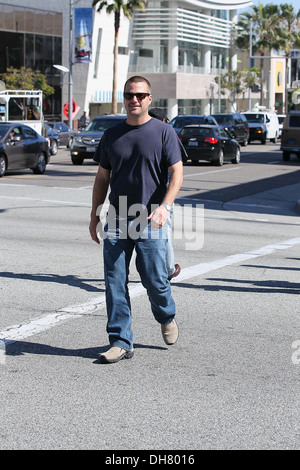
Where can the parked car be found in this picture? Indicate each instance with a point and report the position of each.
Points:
(237, 125)
(85, 143)
(280, 121)
(290, 138)
(22, 147)
(183, 120)
(209, 142)
(263, 126)
(52, 137)
(65, 133)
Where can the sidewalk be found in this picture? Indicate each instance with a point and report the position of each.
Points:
(284, 201)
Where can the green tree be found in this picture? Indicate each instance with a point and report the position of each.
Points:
(290, 39)
(236, 82)
(26, 79)
(266, 32)
(289, 28)
(117, 7)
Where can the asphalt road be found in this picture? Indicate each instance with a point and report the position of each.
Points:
(232, 379)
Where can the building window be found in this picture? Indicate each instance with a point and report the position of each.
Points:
(29, 20)
(123, 50)
(11, 50)
(146, 53)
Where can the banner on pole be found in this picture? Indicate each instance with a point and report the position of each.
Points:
(83, 35)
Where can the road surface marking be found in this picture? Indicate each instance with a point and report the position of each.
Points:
(22, 331)
(204, 173)
(52, 201)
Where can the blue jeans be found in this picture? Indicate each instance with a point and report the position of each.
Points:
(170, 251)
(151, 266)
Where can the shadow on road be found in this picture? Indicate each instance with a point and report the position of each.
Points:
(70, 280)
(21, 348)
(273, 203)
(241, 285)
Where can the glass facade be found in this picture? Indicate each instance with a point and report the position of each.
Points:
(32, 38)
(181, 38)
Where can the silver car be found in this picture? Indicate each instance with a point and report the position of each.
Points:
(85, 143)
(22, 147)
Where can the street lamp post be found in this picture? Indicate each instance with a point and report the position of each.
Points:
(63, 70)
(70, 65)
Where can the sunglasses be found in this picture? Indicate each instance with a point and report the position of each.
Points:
(139, 96)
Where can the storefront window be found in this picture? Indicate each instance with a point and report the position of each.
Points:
(32, 38)
(11, 50)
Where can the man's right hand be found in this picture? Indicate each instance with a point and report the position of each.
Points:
(93, 229)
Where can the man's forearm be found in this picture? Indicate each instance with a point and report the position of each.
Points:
(100, 190)
(175, 183)
(160, 214)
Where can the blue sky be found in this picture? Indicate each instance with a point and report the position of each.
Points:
(295, 3)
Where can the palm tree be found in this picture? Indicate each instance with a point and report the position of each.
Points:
(265, 22)
(290, 39)
(289, 24)
(117, 7)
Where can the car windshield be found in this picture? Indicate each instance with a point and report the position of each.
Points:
(188, 132)
(3, 129)
(254, 117)
(182, 121)
(281, 119)
(102, 124)
(224, 118)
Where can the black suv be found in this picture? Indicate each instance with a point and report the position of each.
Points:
(183, 120)
(85, 143)
(237, 125)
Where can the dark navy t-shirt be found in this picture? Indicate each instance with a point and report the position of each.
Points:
(138, 158)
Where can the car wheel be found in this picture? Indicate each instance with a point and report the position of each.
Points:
(220, 160)
(264, 140)
(76, 160)
(245, 143)
(69, 144)
(3, 165)
(274, 140)
(53, 147)
(237, 157)
(41, 163)
(286, 156)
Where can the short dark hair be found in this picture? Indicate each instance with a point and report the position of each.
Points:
(136, 79)
(158, 113)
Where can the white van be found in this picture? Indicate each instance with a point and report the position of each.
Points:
(263, 125)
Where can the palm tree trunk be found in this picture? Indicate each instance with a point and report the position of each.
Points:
(262, 80)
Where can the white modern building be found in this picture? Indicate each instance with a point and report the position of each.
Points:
(179, 45)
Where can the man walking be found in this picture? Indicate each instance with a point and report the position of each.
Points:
(134, 159)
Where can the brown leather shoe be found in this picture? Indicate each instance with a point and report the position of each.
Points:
(176, 272)
(170, 332)
(115, 354)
